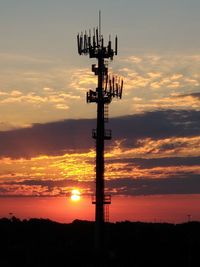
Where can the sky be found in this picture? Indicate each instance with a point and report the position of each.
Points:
(46, 148)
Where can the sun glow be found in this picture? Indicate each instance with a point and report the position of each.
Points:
(75, 196)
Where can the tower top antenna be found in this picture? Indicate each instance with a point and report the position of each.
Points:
(99, 24)
(94, 45)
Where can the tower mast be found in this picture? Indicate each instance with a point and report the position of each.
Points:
(108, 87)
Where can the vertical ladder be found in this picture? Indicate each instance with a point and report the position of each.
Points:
(106, 213)
(106, 114)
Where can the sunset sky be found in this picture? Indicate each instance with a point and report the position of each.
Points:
(46, 149)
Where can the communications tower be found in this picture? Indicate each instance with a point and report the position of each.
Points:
(108, 87)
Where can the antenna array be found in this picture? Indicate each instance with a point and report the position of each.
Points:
(93, 44)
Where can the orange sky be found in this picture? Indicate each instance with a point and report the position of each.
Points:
(160, 208)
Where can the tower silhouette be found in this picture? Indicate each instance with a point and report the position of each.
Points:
(108, 87)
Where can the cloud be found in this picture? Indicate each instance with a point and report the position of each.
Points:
(83, 80)
(151, 82)
(151, 153)
(6, 126)
(158, 124)
(22, 79)
(174, 101)
(148, 163)
(49, 139)
(194, 95)
(148, 147)
(161, 72)
(143, 186)
(160, 131)
(50, 90)
(124, 180)
(148, 77)
(50, 96)
(44, 187)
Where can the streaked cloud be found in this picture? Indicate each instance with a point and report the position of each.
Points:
(173, 101)
(167, 131)
(83, 79)
(161, 72)
(59, 174)
(51, 90)
(181, 146)
(148, 151)
(146, 186)
(49, 96)
(151, 82)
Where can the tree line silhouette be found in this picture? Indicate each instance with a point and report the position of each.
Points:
(41, 243)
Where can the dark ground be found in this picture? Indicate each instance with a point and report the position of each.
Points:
(42, 243)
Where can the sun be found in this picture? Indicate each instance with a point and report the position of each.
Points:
(75, 195)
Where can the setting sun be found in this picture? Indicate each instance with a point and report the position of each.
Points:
(75, 196)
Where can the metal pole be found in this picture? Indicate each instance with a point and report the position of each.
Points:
(99, 214)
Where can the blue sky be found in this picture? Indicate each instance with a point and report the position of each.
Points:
(48, 27)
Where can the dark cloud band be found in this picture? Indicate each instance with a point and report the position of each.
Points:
(67, 136)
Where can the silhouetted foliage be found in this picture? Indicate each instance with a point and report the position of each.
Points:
(41, 243)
